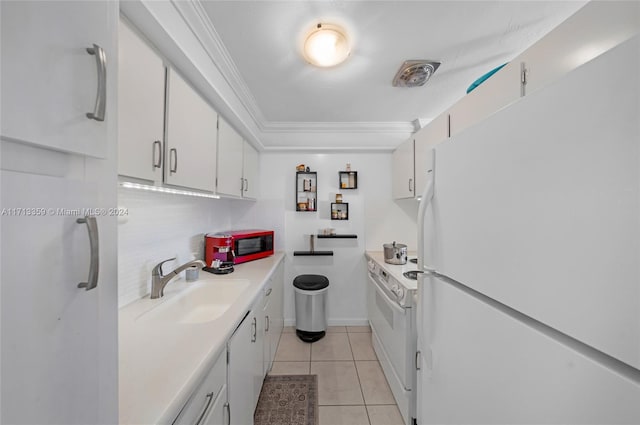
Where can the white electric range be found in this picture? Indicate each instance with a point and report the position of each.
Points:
(392, 315)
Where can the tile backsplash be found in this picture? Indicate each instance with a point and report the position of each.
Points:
(161, 226)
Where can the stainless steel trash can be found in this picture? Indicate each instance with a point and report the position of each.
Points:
(311, 305)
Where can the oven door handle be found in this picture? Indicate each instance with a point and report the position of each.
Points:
(394, 305)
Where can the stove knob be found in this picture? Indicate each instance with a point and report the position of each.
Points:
(399, 292)
(396, 290)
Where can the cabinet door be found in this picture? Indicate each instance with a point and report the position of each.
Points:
(141, 77)
(502, 89)
(242, 371)
(403, 179)
(191, 137)
(49, 80)
(435, 132)
(266, 347)
(275, 311)
(258, 350)
(230, 145)
(250, 171)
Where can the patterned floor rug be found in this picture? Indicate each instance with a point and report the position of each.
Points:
(288, 400)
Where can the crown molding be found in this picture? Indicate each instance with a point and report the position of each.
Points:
(197, 19)
(337, 127)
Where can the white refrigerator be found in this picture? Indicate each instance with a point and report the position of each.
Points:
(529, 228)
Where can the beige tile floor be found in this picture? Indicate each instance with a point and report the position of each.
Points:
(352, 389)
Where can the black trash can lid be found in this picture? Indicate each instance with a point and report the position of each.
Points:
(310, 282)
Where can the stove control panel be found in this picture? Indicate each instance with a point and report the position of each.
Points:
(398, 291)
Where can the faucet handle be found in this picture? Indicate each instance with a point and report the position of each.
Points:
(157, 270)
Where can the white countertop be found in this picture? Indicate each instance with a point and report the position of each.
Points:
(160, 364)
(396, 270)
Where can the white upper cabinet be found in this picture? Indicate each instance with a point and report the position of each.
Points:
(250, 171)
(230, 147)
(50, 80)
(425, 139)
(140, 108)
(403, 178)
(190, 152)
(500, 90)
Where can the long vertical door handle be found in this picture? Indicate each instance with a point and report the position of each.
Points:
(254, 332)
(94, 244)
(174, 167)
(101, 95)
(157, 160)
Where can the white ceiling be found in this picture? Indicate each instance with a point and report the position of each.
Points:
(354, 105)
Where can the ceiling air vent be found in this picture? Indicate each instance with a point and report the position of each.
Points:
(415, 73)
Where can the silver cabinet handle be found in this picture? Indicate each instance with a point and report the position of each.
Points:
(268, 292)
(209, 398)
(101, 95)
(410, 185)
(246, 185)
(174, 167)
(418, 360)
(94, 244)
(266, 323)
(254, 331)
(241, 184)
(157, 163)
(228, 409)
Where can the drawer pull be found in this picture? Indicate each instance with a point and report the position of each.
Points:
(207, 406)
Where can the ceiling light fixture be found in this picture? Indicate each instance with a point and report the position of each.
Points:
(326, 45)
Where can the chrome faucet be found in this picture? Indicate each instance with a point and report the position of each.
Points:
(160, 280)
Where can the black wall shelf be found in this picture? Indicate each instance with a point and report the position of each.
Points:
(348, 179)
(337, 236)
(339, 211)
(306, 191)
(312, 253)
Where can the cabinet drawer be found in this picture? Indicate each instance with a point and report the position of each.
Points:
(208, 394)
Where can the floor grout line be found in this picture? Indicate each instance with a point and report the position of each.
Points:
(364, 400)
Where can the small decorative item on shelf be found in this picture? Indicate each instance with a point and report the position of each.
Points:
(338, 198)
(348, 179)
(300, 167)
(348, 167)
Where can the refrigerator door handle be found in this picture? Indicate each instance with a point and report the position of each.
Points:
(427, 197)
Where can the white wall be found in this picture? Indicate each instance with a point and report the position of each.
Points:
(373, 216)
(161, 226)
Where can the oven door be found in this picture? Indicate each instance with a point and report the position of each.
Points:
(391, 324)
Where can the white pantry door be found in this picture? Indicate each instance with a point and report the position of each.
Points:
(59, 360)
